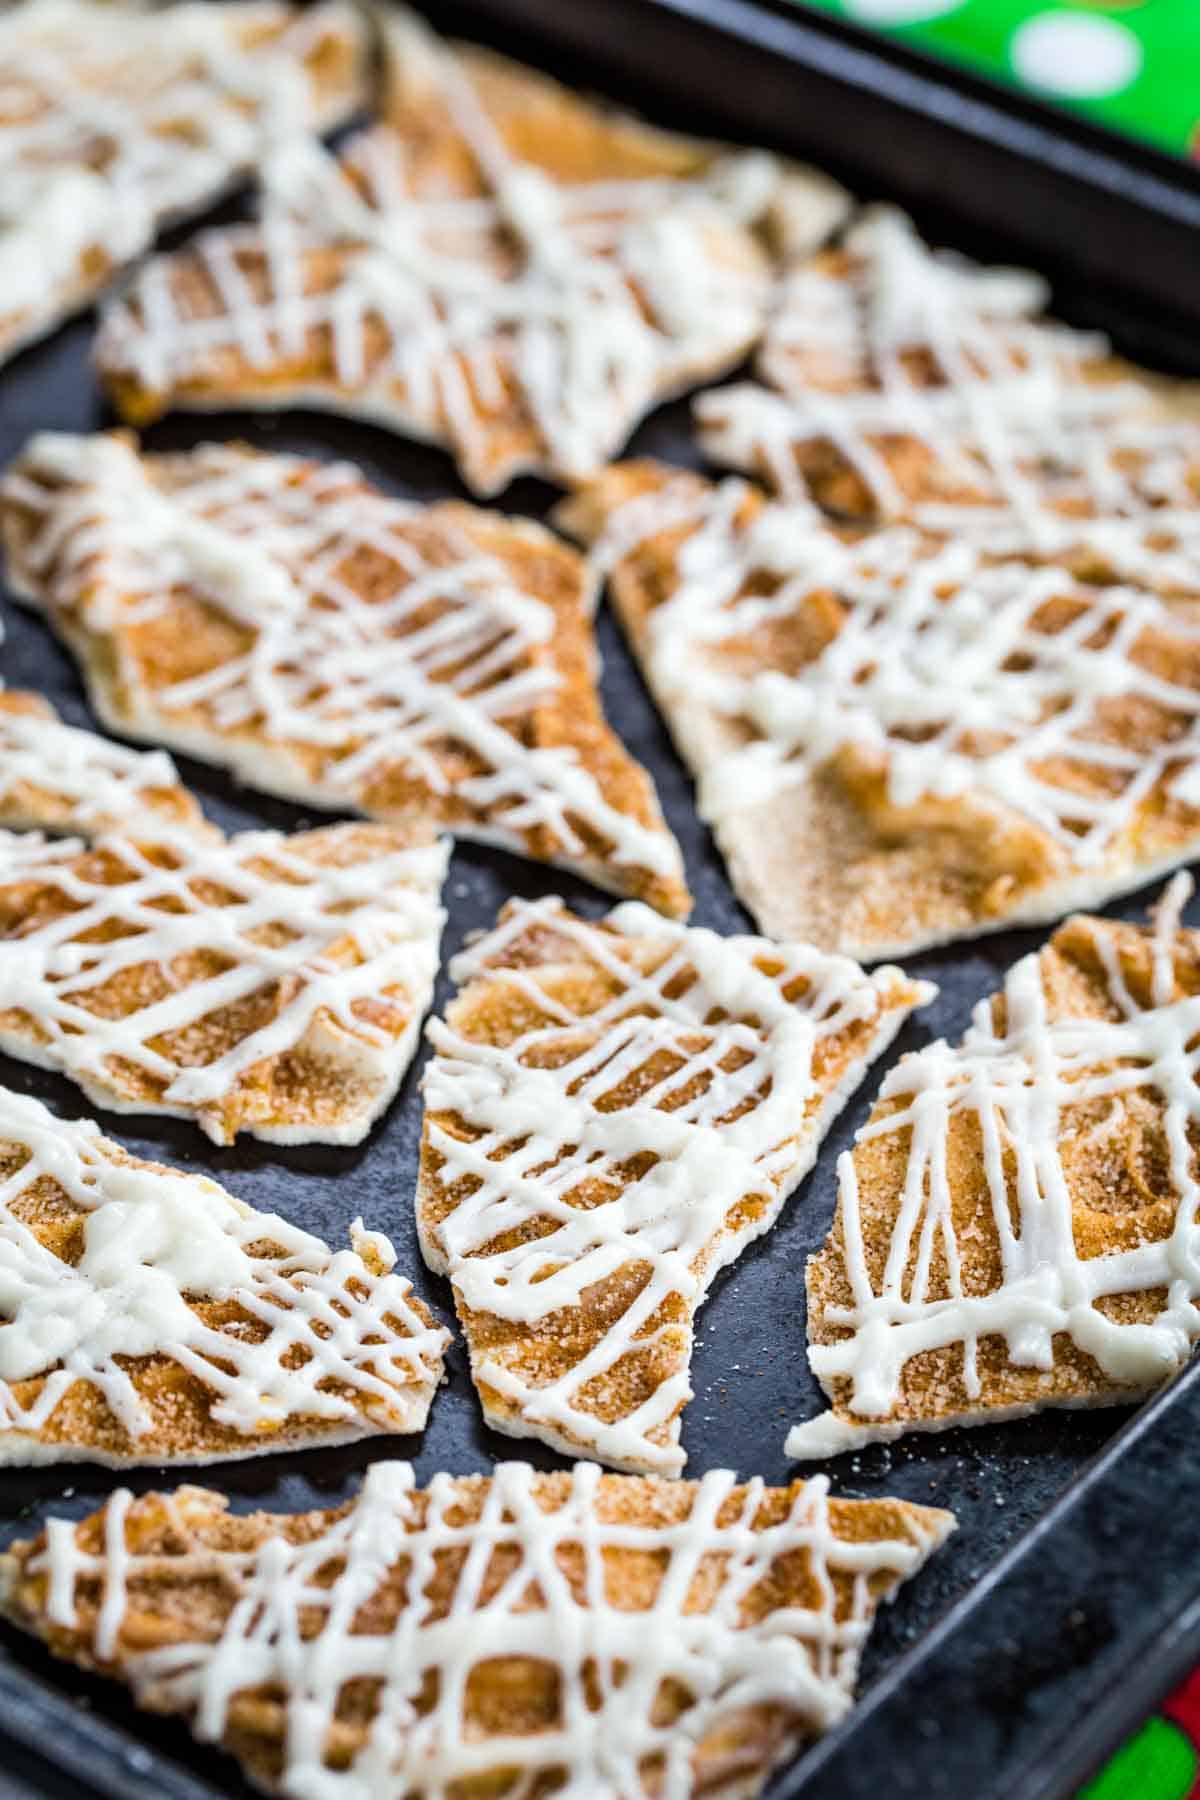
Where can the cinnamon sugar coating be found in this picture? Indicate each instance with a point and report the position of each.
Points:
(431, 665)
(523, 1633)
(614, 1111)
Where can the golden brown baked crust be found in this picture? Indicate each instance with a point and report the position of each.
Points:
(613, 1113)
(259, 983)
(54, 778)
(152, 1318)
(1052, 1163)
(599, 266)
(900, 740)
(458, 1652)
(901, 383)
(433, 664)
(197, 96)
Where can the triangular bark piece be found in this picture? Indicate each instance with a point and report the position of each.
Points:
(149, 1317)
(340, 647)
(117, 120)
(499, 266)
(898, 739)
(518, 1633)
(903, 383)
(259, 983)
(1015, 1226)
(614, 1111)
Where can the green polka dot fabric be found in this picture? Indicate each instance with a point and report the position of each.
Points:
(1161, 1761)
(1129, 64)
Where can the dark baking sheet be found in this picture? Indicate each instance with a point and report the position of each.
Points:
(1056, 1606)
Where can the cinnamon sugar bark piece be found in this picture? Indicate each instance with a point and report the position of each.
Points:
(425, 665)
(116, 120)
(498, 266)
(613, 1113)
(1016, 1223)
(150, 1317)
(898, 738)
(517, 1633)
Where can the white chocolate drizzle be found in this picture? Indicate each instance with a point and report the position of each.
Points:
(702, 1007)
(369, 685)
(1032, 1085)
(1055, 457)
(585, 300)
(960, 672)
(116, 120)
(552, 1605)
(321, 939)
(157, 1240)
(97, 784)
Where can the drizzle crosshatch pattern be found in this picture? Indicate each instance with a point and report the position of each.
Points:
(943, 741)
(1017, 1224)
(581, 1634)
(54, 777)
(613, 1113)
(904, 383)
(333, 644)
(265, 983)
(738, 1362)
(151, 1317)
(499, 266)
(117, 121)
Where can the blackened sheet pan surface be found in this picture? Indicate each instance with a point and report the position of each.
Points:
(1042, 1612)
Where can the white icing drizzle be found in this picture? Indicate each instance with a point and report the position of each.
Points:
(323, 938)
(546, 1131)
(99, 784)
(1029, 1086)
(590, 299)
(612, 1661)
(115, 120)
(937, 665)
(1058, 459)
(370, 683)
(156, 1240)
